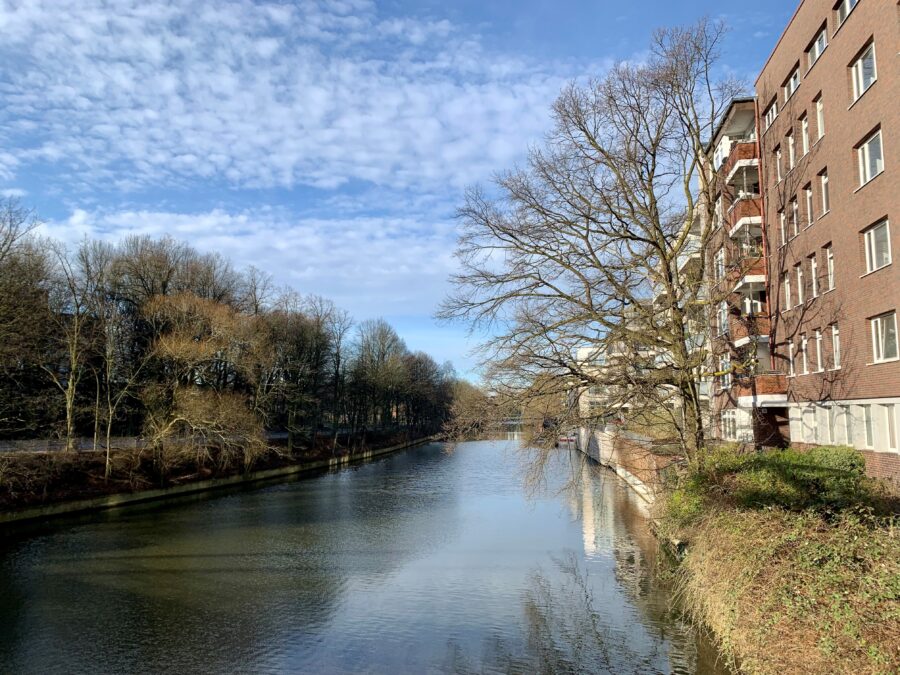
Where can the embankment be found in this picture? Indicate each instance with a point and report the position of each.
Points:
(791, 559)
(75, 505)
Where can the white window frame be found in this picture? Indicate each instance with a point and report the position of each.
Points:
(804, 353)
(792, 84)
(848, 424)
(795, 217)
(804, 135)
(819, 365)
(867, 424)
(864, 152)
(890, 423)
(782, 218)
(810, 205)
(829, 262)
(870, 242)
(722, 318)
(814, 275)
(835, 347)
(844, 7)
(719, 264)
(858, 71)
(792, 370)
(801, 292)
(792, 151)
(817, 47)
(729, 425)
(826, 195)
(787, 290)
(881, 327)
(778, 160)
(820, 117)
(771, 114)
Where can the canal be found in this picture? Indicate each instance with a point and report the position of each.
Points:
(425, 561)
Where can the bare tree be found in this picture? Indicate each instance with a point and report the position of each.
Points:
(576, 269)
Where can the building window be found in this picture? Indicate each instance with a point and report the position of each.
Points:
(782, 219)
(890, 423)
(725, 371)
(820, 117)
(791, 368)
(804, 135)
(804, 353)
(829, 262)
(884, 337)
(816, 47)
(871, 159)
(792, 155)
(771, 114)
(792, 83)
(800, 285)
(795, 217)
(863, 70)
(878, 246)
(786, 281)
(722, 318)
(810, 215)
(729, 425)
(819, 366)
(843, 10)
(848, 424)
(835, 347)
(867, 422)
(826, 196)
(778, 164)
(814, 275)
(719, 264)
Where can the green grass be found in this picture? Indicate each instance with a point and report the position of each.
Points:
(793, 559)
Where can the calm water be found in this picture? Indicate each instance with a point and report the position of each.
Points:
(421, 562)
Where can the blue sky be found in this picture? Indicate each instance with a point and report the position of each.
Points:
(326, 142)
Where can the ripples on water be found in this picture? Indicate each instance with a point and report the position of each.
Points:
(421, 562)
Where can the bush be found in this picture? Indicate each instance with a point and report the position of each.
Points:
(822, 478)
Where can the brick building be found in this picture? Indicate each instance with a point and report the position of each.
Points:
(828, 123)
(748, 402)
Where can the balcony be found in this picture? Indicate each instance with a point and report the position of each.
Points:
(745, 212)
(743, 154)
(749, 272)
(742, 328)
(763, 389)
(691, 252)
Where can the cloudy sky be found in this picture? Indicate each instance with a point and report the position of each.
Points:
(325, 142)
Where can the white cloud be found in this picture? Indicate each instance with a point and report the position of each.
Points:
(370, 265)
(133, 93)
(13, 192)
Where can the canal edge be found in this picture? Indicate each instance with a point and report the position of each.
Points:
(115, 501)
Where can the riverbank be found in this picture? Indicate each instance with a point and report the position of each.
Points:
(87, 490)
(791, 559)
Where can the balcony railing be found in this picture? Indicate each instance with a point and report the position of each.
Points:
(748, 326)
(740, 150)
(744, 207)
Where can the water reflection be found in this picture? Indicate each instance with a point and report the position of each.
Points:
(421, 562)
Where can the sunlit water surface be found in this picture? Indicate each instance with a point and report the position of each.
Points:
(426, 561)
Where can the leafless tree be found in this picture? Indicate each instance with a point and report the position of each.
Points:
(576, 268)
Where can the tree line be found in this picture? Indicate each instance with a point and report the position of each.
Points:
(150, 337)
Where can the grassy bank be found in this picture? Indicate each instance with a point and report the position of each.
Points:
(792, 560)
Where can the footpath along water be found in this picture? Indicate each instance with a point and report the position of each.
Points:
(420, 562)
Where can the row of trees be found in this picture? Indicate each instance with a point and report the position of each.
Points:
(150, 337)
(574, 262)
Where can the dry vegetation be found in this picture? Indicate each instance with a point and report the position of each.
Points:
(793, 561)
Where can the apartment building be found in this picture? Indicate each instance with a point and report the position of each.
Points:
(829, 123)
(749, 402)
